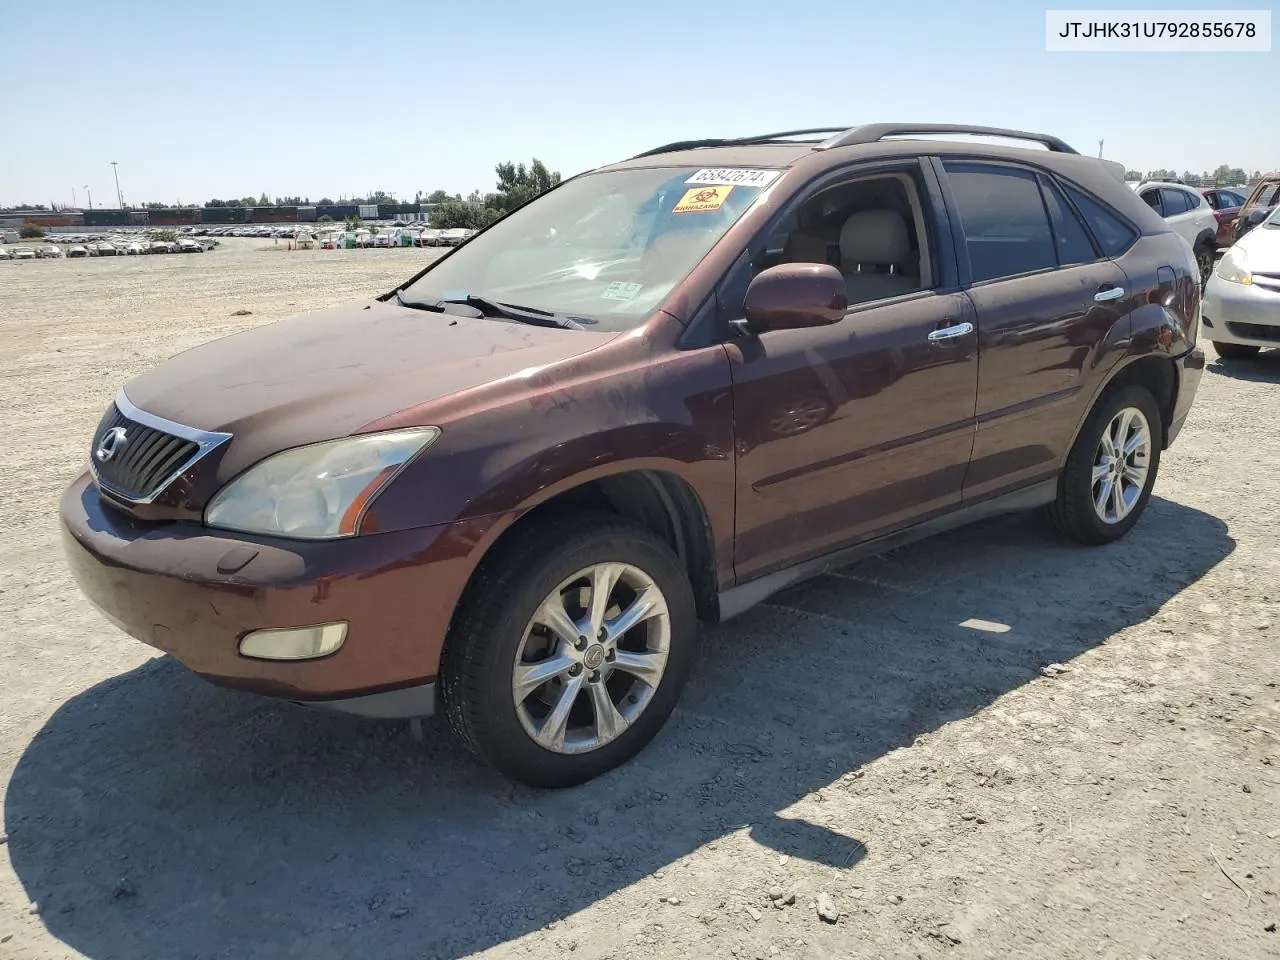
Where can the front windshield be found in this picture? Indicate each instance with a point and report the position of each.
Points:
(604, 248)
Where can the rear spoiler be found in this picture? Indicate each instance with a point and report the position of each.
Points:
(1115, 168)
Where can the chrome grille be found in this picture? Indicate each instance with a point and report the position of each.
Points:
(142, 461)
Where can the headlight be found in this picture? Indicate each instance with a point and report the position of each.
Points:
(318, 492)
(1234, 266)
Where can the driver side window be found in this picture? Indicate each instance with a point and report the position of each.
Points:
(871, 228)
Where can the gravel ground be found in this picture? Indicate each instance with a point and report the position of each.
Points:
(854, 771)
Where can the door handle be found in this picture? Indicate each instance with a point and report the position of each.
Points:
(951, 332)
(1111, 293)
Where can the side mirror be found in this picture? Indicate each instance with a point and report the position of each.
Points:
(793, 296)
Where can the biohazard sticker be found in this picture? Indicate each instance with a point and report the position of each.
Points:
(702, 200)
(734, 177)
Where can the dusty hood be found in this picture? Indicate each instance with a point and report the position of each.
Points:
(1262, 245)
(327, 374)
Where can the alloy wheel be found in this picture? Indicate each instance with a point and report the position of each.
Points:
(1121, 465)
(591, 658)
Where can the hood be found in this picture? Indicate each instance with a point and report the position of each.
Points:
(327, 374)
(1262, 245)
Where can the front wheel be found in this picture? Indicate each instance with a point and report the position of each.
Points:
(1111, 469)
(1204, 261)
(1235, 351)
(570, 649)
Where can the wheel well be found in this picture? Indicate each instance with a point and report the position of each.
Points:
(659, 502)
(1206, 238)
(1155, 374)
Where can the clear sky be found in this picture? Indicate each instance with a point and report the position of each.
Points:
(229, 98)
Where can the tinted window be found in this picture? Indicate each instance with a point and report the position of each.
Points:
(1114, 236)
(1268, 196)
(1175, 201)
(1005, 225)
(1069, 233)
(1227, 200)
(1152, 197)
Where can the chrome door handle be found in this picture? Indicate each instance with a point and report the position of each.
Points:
(1115, 293)
(951, 332)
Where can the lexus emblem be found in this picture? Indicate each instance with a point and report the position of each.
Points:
(111, 442)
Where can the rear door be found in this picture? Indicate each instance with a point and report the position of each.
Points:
(1047, 300)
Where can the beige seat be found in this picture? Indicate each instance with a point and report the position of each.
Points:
(874, 251)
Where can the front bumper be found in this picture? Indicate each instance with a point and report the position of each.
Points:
(1247, 314)
(194, 593)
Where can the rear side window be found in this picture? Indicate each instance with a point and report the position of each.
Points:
(1003, 217)
(1175, 201)
(1114, 236)
(1227, 200)
(1152, 198)
(1069, 233)
(1268, 197)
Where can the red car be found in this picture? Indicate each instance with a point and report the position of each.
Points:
(1226, 206)
(511, 487)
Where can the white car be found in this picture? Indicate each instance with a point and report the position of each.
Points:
(1189, 213)
(4, 253)
(77, 251)
(24, 253)
(1241, 309)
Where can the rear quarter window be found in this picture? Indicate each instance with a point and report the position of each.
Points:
(1114, 236)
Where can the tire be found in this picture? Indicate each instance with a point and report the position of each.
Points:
(1204, 261)
(494, 627)
(1075, 512)
(1235, 351)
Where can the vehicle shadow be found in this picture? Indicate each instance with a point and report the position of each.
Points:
(156, 816)
(1264, 368)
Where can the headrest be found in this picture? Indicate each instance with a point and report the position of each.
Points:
(875, 237)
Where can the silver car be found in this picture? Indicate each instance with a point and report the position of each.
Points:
(1241, 309)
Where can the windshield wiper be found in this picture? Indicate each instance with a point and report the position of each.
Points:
(492, 308)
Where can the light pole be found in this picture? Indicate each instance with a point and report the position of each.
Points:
(119, 196)
(86, 190)
(74, 203)
(1100, 143)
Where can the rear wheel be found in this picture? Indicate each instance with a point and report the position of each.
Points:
(570, 650)
(1110, 471)
(1235, 351)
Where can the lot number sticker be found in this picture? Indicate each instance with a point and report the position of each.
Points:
(621, 290)
(703, 200)
(734, 177)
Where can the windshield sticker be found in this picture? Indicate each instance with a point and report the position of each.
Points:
(703, 200)
(735, 177)
(620, 290)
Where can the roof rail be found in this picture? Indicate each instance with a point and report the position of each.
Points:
(873, 132)
(737, 141)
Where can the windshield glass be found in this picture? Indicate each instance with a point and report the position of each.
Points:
(1274, 219)
(604, 248)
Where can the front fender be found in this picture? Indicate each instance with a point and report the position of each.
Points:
(672, 413)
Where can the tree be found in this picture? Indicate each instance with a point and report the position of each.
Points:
(167, 236)
(263, 201)
(354, 223)
(248, 202)
(215, 203)
(452, 214)
(324, 202)
(439, 196)
(518, 184)
(235, 203)
(324, 218)
(156, 206)
(31, 231)
(1133, 175)
(1227, 175)
(1162, 174)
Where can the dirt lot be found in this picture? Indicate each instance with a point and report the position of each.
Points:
(851, 738)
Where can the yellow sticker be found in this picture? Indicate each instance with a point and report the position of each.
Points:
(703, 200)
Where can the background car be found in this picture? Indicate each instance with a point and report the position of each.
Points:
(77, 251)
(24, 253)
(4, 254)
(1226, 206)
(1189, 214)
(1258, 206)
(1241, 310)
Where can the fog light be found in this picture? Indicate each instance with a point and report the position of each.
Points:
(294, 643)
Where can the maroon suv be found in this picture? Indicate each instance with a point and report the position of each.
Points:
(654, 395)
